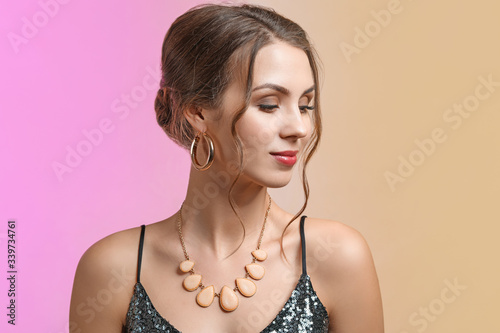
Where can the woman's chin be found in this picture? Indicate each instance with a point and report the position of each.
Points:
(278, 182)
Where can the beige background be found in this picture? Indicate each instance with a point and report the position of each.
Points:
(438, 224)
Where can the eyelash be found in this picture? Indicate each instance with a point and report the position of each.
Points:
(270, 107)
(307, 108)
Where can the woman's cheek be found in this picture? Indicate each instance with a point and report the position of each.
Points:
(258, 131)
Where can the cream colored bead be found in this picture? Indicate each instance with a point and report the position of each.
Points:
(255, 271)
(186, 266)
(246, 287)
(260, 255)
(206, 296)
(228, 299)
(192, 282)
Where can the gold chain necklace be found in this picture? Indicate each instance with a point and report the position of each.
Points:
(228, 298)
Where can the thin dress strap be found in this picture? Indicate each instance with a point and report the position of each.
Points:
(303, 242)
(139, 259)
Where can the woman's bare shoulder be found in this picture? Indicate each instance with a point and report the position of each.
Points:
(117, 249)
(331, 234)
(343, 269)
(104, 281)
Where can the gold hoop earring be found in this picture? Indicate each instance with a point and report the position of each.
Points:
(194, 147)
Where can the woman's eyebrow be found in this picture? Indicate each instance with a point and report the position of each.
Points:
(281, 89)
(307, 91)
(273, 86)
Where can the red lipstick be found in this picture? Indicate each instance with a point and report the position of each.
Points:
(287, 157)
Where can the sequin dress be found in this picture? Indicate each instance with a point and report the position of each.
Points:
(303, 311)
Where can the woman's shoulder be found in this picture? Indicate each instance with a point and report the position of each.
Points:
(337, 249)
(334, 235)
(116, 249)
(104, 280)
(341, 266)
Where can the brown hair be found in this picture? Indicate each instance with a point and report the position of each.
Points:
(202, 52)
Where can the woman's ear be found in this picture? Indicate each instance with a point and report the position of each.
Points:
(195, 117)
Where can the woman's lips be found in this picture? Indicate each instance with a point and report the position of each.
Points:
(286, 157)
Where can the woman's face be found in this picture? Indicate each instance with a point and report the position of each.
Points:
(278, 122)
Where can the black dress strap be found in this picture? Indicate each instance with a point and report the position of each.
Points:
(303, 242)
(139, 259)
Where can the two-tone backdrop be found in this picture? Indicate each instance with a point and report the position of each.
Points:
(410, 152)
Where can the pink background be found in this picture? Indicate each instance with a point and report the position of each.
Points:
(72, 73)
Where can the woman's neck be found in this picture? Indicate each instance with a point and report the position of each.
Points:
(209, 220)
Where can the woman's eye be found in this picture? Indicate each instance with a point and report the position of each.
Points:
(268, 107)
(305, 108)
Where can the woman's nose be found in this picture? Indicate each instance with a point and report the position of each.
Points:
(295, 124)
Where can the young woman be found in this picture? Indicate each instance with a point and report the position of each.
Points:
(239, 89)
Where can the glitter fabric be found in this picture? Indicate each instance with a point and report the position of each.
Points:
(303, 311)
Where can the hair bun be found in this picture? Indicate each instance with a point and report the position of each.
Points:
(163, 107)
